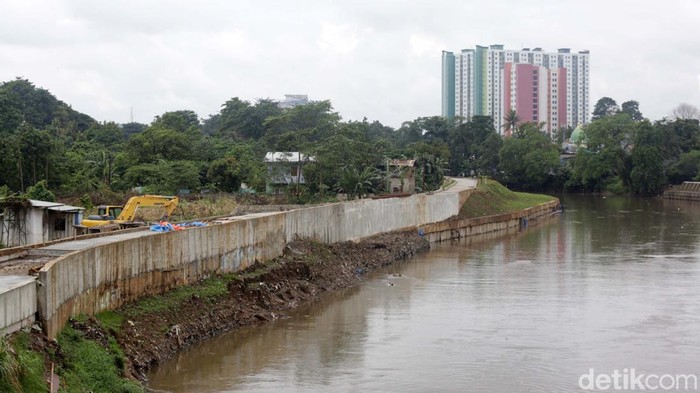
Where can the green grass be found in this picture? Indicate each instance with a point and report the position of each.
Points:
(110, 320)
(21, 369)
(91, 367)
(208, 289)
(492, 198)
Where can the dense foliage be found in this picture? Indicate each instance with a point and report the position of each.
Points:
(48, 148)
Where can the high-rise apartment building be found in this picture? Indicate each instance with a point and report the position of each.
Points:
(543, 87)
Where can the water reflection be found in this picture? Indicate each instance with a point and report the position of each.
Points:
(611, 283)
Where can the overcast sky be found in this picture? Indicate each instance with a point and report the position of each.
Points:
(374, 59)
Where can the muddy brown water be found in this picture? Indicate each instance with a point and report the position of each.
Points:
(610, 284)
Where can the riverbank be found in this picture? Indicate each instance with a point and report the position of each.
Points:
(492, 209)
(92, 354)
(99, 352)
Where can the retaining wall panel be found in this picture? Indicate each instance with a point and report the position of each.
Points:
(107, 276)
(18, 306)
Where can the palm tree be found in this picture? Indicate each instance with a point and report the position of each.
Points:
(365, 181)
(511, 122)
(356, 183)
(431, 170)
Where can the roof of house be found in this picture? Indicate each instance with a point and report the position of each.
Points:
(66, 208)
(37, 203)
(287, 156)
(55, 206)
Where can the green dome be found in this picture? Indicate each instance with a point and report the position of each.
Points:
(578, 136)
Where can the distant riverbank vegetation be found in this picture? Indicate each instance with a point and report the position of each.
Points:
(49, 146)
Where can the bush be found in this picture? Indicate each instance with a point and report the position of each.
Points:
(40, 192)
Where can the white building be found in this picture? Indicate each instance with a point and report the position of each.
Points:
(31, 221)
(292, 100)
(285, 168)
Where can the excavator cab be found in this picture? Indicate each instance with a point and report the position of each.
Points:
(109, 212)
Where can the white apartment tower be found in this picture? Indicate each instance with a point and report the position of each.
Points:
(543, 87)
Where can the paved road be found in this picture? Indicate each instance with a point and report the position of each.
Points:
(462, 184)
(35, 258)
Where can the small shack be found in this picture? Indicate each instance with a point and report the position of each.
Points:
(285, 168)
(29, 221)
(402, 176)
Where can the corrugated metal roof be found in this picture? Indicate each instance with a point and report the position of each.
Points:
(55, 206)
(66, 208)
(36, 203)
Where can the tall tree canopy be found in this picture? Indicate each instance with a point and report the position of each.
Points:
(605, 106)
(631, 108)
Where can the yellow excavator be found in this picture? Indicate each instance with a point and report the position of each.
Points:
(111, 218)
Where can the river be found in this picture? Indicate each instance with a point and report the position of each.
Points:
(610, 284)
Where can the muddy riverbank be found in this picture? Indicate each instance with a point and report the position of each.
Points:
(153, 329)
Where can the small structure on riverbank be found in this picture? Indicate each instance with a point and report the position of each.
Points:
(402, 176)
(28, 221)
(689, 190)
(285, 168)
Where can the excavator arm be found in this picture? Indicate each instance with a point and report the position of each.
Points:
(169, 203)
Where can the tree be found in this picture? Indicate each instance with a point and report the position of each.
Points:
(10, 163)
(38, 153)
(605, 159)
(431, 171)
(40, 109)
(685, 111)
(240, 119)
(10, 113)
(157, 143)
(686, 169)
(355, 183)
(106, 134)
(605, 106)
(678, 137)
(474, 147)
(133, 128)
(184, 121)
(510, 122)
(86, 167)
(631, 108)
(529, 160)
(225, 174)
(647, 176)
(211, 125)
(40, 192)
(311, 122)
(348, 146)
(180, 174)
(167, 177)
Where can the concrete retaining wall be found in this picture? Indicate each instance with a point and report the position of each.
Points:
(17, 302)
(689, 191)
(459, 228)
(107, 276)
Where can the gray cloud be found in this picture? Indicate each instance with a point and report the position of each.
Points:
(375, 59)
